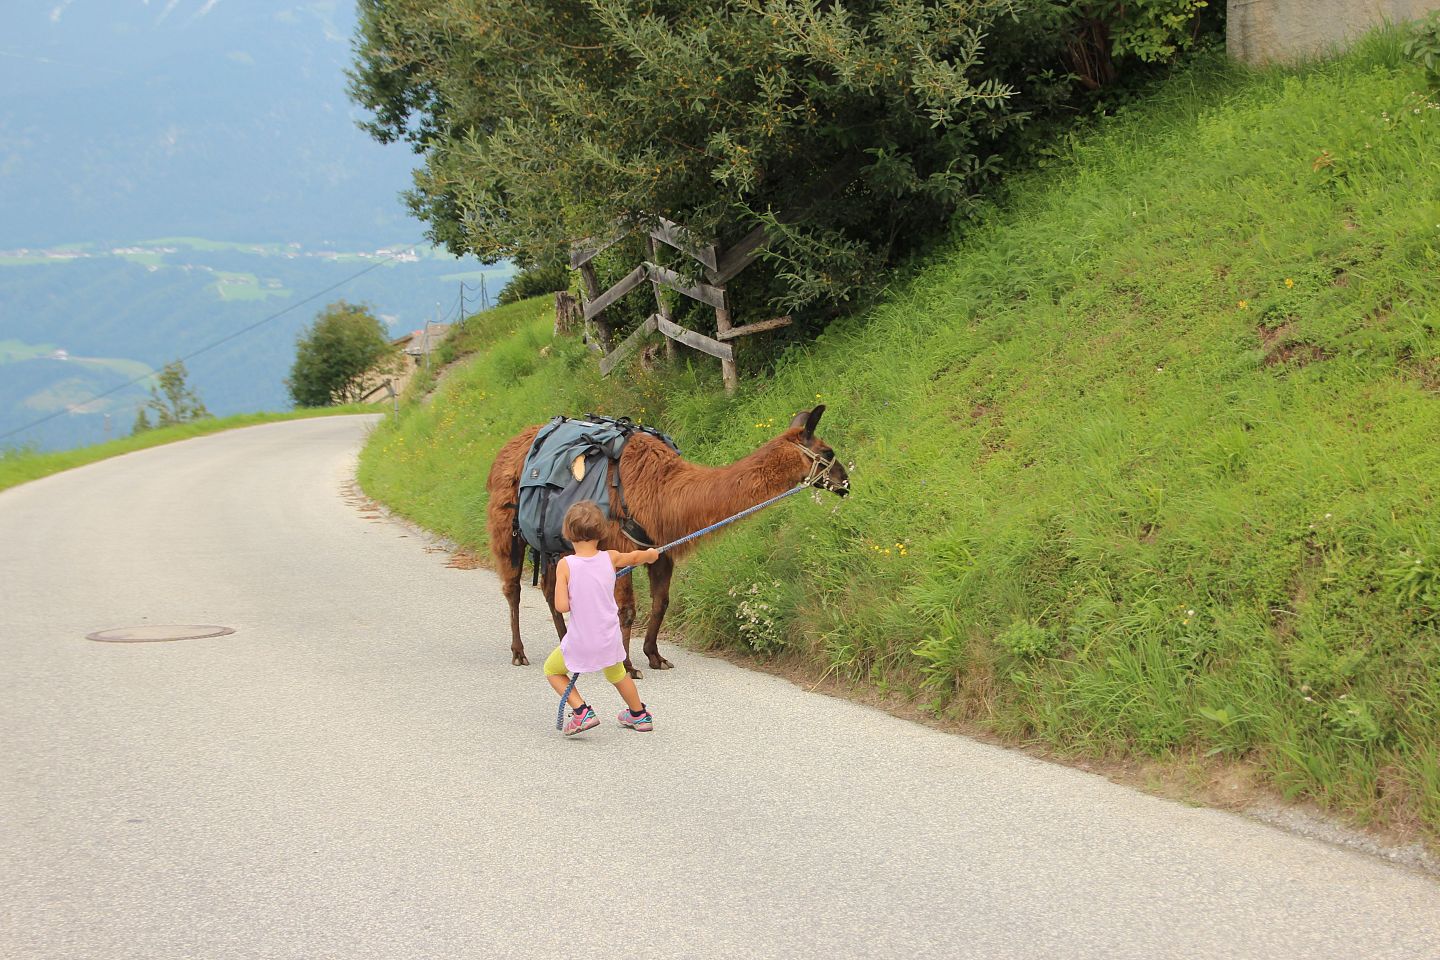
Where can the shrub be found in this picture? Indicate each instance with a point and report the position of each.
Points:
(534, 281)
(1424, 46)
(757, 618)
(1026, 640)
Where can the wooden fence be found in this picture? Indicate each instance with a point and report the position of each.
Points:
(718, 268)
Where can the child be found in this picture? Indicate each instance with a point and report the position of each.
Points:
(585, 589)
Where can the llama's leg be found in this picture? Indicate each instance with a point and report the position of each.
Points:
(547, 584)
(625, 603)
(510, 586)
(660, 573)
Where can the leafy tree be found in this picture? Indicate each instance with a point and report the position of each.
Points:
(334, 354)
(545, 121)
(171, 401)
(532, 281)
(853, 128)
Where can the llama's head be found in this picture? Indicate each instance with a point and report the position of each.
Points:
(822, 466)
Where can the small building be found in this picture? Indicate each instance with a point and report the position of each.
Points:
(418, 343)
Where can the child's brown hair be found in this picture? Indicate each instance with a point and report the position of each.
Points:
(583, 521)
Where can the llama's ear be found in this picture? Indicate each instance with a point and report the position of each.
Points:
(808, 419)
(813, 420)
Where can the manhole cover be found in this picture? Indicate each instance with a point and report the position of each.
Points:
(156, 633)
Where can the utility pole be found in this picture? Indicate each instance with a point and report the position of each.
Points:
(462, 301)
(484, 294)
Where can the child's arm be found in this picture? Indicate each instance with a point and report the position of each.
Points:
(562, 586)
(633, 557)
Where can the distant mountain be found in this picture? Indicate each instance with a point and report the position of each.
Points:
(222, 125)
(77, 321)
(218, 118)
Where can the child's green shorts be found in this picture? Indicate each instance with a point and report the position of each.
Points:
(555, 666)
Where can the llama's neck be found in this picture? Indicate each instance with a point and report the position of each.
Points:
(744, 483)
(694, 496)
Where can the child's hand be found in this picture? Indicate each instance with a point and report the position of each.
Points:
(649, 556)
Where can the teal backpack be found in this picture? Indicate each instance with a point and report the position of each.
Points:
(570, 461)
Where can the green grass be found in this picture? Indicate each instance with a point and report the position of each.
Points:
(26, 261)
(20, 465)
(14, 351)
(130, 369)
(1145, 460)
(244, 286)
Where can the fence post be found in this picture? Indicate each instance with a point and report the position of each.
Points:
(661, 310)
(592, 292)
(722, 325)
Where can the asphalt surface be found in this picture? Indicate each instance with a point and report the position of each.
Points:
(358, 772)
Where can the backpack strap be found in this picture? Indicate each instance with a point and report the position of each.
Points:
(628, 524)
(637, 534)
(517, 548)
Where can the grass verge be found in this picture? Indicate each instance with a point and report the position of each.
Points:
(21, 465)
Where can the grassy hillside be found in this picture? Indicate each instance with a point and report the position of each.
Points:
(1145, 462)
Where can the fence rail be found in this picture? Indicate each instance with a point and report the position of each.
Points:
(719, 268)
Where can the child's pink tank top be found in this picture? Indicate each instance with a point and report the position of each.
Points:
(593, 640)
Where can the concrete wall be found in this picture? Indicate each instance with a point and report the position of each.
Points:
(1264, 31)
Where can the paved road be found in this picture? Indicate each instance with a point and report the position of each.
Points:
(358, 772)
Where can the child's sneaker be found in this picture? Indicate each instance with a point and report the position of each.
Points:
(581, 720)
(641, 721)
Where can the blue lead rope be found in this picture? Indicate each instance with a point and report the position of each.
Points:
(626, 571)
(564, 697)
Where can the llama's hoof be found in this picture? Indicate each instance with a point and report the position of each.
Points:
(633, 673)
(519, 660)
(658, 662)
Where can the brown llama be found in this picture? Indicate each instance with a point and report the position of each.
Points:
(669, 498)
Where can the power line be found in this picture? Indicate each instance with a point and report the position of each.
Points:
(210, 346)
(452, 313)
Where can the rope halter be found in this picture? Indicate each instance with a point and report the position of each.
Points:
(819, 470)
